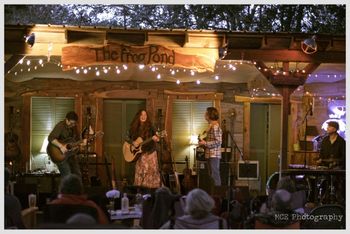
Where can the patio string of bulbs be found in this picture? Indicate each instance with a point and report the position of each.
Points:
(34, 64)
(29, 65)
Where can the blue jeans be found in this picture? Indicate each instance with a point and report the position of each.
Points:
(215, 170)
(69, 166)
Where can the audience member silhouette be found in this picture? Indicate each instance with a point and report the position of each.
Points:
(160, 210)
(81, 219)
(298, 198)
(13, 217)
(280, 215)
(198, 214)
(71, 192)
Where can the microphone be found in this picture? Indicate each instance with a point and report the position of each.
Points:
(311, 103)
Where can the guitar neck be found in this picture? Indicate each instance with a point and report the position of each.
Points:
(82, 140)
(150, 138)
(75, 143)
(146, 141)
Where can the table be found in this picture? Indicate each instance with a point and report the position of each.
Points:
(135, 215)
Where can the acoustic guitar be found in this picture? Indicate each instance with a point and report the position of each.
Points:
(187, 182)
(132, 153)
(56, 154)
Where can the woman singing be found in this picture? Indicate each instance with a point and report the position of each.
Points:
(146, 169)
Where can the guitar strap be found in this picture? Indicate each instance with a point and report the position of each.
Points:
(208, 159)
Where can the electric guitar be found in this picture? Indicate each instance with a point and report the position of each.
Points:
(56, 154)
(132, 153)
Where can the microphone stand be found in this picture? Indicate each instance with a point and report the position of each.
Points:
(305, 145)
(160, 156)
(86, 133)
(235, 147)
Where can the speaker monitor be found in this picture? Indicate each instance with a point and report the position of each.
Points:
(204, 180)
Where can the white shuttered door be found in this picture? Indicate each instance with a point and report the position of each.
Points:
(188, 119)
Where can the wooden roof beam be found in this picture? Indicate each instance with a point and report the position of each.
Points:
(288, 78)
(286, 55)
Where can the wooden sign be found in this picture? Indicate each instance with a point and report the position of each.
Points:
(74, 56)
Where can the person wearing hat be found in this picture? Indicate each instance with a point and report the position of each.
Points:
(332, 153)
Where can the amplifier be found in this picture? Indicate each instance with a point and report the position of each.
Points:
(251, 184)
(204, 180)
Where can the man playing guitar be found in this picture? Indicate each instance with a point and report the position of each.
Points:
(63, 133)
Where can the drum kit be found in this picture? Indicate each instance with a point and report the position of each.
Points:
(323, 184)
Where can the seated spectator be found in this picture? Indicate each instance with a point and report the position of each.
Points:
(298, 198)
(13, 217)
(280, 215)
(198, 214)
(160, 210)
(81, 219)
(71, 192)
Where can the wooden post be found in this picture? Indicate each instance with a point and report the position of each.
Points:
(246, 130)
(25, 161)
(285, 92)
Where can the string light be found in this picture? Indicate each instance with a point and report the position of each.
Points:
(261, 92)
(231, 66)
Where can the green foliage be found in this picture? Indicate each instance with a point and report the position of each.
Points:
(264, 18)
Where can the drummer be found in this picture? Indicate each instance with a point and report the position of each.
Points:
(332, 153)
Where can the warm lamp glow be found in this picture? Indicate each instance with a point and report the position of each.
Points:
(193, 140)
(44, 145)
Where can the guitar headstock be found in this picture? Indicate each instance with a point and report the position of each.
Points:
(162, 133)
(202, 136)
(99, 134)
